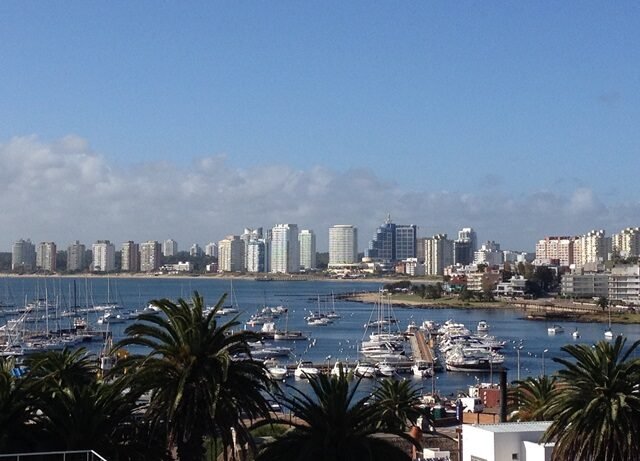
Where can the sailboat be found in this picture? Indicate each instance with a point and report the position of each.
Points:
(608, 334)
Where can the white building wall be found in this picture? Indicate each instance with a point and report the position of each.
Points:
(343, 245)
(285, 249)
(307, 241)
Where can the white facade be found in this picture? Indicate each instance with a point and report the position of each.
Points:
(626, 243)
(343, 245)
(104, 256)
(590, 248)
(46, 256)
(490, 254)
(231, 254)
(438, 254)
(624, 284)
(585, 285)
(258, 256)
(505, 442)
(170, 247)
(307, 242)
(23, 255)
(285, 249)
(211, 249)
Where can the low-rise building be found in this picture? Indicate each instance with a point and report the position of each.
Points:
(624, 284)
(584, 284)
(483, 281)
(506, 442)
(516, 286)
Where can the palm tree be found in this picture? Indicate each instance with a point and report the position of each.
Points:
(77, 411)
(329, 425)
(16, 409)
(398, 403)
(596, 406)
(530, 398)
(202, 379)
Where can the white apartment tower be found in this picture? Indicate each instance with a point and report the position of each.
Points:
(590, 248)
(211, 250)
(149, 256)
(343, 245)
(75, 257)
(170, 248)
(438, 254)
(46, 256)
(231, 254)
(626, 243)
(23, 256)
(285, 249)
(104, 256)
(130, 257)
(258, 255)
(307, 242)
(556, 250)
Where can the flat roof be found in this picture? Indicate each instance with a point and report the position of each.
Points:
(528, 426)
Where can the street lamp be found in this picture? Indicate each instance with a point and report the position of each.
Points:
(543, 352)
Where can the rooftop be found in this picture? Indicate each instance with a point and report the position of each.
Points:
(530, 426)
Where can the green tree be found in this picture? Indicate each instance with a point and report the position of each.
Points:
(329, 425)
(398, 405)
(603, 302)
(596, 406)
(202, 379)
(465, 294)
(530, 398)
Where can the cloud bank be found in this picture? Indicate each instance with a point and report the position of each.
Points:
(62, 191)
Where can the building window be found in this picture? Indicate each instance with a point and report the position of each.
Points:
(514, 456)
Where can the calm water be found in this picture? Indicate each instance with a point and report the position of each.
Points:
(326, 343)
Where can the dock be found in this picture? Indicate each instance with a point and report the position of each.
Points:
(421, 348)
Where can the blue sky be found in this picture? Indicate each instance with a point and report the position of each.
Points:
(468, 104)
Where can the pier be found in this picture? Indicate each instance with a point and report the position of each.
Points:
(421, 348)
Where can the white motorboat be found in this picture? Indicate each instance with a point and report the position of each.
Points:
(110, 317)
(575, 334)
(482, 327)
(421, 369)
(554, 330)
(340, 367)
(277, 372)
(386, 369)
(365, 369)
(305, 370)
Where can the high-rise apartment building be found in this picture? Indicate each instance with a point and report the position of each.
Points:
(307, 243)
(231, 254)
(196, 250)
(393, 242)
(46, 253)
(438, 254)
(556, 250)
(626, 243)
(489, 254)
(104, 256)
(258, 255)
(382, 246)
(246, 237)
(23, 256)
(211, 250)
(405, 242)
(465, 246)
(149, 256)
(590, 248)
(76, 257)
(285, 249)
(170, 248)
(343, 245)
(130, 257)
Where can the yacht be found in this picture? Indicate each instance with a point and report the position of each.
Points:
(306, 370)
(339, 367)
(421, 368)
(482, 327)
(277, 372)
(575, 334)
(386, 369)
(365, 369)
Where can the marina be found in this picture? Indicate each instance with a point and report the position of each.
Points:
(527, 349)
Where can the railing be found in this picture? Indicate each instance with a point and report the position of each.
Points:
(78, 455)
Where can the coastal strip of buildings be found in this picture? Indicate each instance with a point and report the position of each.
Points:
(588, 265)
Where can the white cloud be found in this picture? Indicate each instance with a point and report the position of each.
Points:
(63, 191)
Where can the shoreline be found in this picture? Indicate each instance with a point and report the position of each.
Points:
(535, 310)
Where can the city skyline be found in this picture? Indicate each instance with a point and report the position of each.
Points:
(158, 121)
